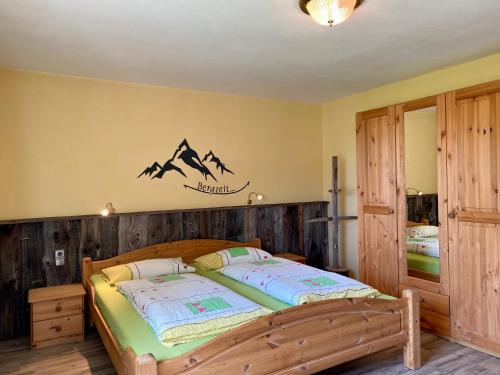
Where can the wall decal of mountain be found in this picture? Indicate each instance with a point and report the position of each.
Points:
(218, 163)
(150, 170)
(184, 155)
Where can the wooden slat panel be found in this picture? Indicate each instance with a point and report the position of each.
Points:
(132, 232)
(31, 269)
(109, 236)
(291, 236)
(265, 226)
(217, 224)
(155, 229)
(10, 280)
(191, 225)
(236, 225)
(278, 229)
(173, 226)
(315, 236)
(27, 248)
(90, 239)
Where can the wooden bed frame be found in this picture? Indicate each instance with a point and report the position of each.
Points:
(299, 340)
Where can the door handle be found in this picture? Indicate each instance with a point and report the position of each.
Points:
(452, 214)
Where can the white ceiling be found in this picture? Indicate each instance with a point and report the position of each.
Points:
(264, 48)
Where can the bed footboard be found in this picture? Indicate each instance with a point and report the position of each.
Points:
(299, 340)
(309, 338)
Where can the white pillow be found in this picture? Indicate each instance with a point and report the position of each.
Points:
(148, 268)
(422, 231)
(242, 254)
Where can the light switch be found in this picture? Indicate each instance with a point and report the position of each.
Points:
(59, 255)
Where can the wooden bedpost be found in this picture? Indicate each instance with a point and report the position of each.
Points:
(86, 273)
(139, 365)
(412, 347)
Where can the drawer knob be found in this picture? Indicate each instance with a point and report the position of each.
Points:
(58, 308)
(57, 328)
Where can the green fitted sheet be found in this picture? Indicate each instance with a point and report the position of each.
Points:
(245, 290)
(131, 330)
(423, 262)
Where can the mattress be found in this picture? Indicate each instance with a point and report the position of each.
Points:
(423, 263)
(131, 330)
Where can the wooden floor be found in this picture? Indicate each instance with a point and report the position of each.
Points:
(439, 357)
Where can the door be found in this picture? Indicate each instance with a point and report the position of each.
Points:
(473, 119)
(377, 221)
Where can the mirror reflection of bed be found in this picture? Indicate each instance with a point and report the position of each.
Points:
(422, 237)
(421, 175)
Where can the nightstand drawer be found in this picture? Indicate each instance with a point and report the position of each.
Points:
(57, 308)
(56, 328)
(292, 257)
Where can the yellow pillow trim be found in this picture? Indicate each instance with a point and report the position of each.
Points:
(117, 274)
(209, 262)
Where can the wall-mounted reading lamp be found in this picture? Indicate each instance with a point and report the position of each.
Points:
(418, 191)
(258, 196)
(108, 209)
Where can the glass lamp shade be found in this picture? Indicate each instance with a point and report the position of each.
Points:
(330, 12)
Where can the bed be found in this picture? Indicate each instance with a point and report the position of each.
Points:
(289, 341)
(423, 255)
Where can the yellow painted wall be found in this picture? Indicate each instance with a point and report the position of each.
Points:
(339, 137)
(421, 151)
(69, 145)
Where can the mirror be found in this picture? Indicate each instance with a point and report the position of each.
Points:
(421, 176)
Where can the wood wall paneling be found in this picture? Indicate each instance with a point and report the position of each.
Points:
(27, 246)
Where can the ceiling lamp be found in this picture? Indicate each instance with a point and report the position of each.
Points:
(329, 12)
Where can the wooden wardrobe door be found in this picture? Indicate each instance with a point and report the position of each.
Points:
(377, 221)
(473, 128)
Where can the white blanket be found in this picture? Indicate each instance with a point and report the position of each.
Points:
(296, 283)
(186, 307)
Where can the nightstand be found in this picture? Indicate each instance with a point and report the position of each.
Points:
(56, 315)
(340, 271)
(290, 256)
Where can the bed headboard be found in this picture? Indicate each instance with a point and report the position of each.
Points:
(422, 207)
(189, 250)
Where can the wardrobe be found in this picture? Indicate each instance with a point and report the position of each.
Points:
(460, 288)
